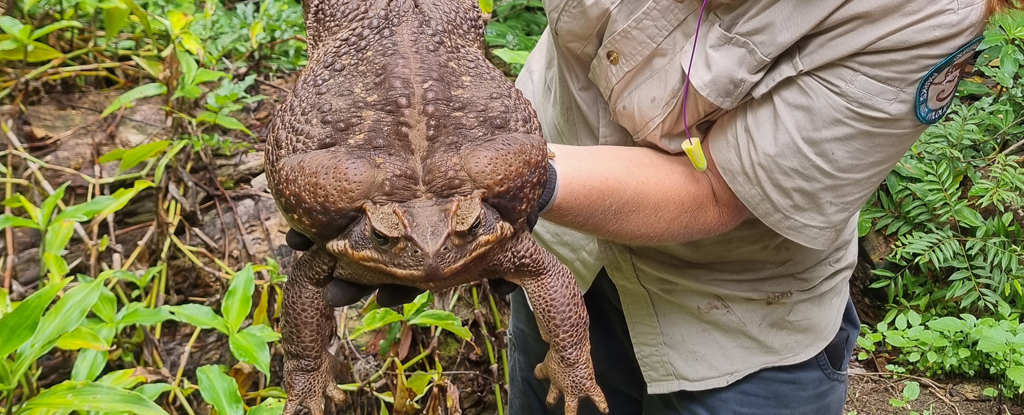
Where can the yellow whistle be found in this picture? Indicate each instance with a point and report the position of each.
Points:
(696, 153)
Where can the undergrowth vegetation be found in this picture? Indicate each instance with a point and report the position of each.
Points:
(91, 332)
(952, 211)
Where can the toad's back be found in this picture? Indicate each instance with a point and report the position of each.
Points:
(394, 93)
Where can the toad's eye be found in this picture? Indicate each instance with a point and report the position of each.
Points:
(382, 239)
(474, 228)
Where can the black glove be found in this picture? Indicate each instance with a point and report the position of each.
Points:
(340, 293)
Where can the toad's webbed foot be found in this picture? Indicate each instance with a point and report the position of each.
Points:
(563, 322)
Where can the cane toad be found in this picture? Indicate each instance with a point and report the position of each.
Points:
(409, 159)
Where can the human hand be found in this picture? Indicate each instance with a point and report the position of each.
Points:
(340, 293)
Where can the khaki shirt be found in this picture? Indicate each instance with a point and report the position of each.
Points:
(806, 106)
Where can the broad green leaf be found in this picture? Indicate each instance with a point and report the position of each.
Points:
(250, 348)
(376, 319)
(946, 324)
(974, 88)
(124, 379)
(192, 44)
(417, 304)
(271, 406)
(486, 6)
(80, 338)
(178, 21)
(220, 390)
(901, 322)
(114, 18)
(153, 68)
(133, 157)
(200, 316)
(52, 27)
(19, 325)
(58, 234)
(106, 306)
(8, 43)
(68, 313)
(419, 382)
(914, 318)
(14, 221)
(254, 32)
(152, 391)
(911, 391)
(993, 340)
(204, 75)
(88, 396)
(6, 377)
(264, 332)
(969, 216)
(512, 56)
(90, 363)
(144, 316)
(18, 200)
(1016, 374)
(11, 26)
(139, 92)
(442, 319)
(238, 299)
(100, 207)
(39, 52)
(223, 120)
(189, 67)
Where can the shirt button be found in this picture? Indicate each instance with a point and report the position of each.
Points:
(613, 57)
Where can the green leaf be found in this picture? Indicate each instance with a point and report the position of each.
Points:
(12, 26)
(153, 68)
(8, 43)
(444, 320)
(271, 406)
(264, 332)
(189, 67)
(224, 121)
(512, 56)
(192, 44)
(238, 299)
(486, 6)
(152, 391)
(220, 390)
(204, 75)
(901, 322)
(14, 221)
(18, 200)
(178, 22)
(1016, 374)
(58, 234)
(144, 316)
(19, 325)
(162, 164)
(88, 396)
(80, 338)
(913, 318)
(968, 216)
(40, 53)
(376, 319)
(106, 306)
(946, 324)
(254, 32)
(139, 92)
(911, 391)
(200, 316)
(123, 379)
(68, 313)
(133, 157)
(114, 18)
(52, 27)
(101, 206)
(250, 348)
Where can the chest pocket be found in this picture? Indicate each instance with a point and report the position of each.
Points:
(638, 67)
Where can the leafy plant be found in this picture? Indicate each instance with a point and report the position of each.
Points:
(20, 41)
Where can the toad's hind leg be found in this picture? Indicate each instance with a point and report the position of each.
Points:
(562, 319)
(307, 331)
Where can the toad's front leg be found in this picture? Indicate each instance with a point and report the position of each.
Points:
(306, 334)
(562, 319)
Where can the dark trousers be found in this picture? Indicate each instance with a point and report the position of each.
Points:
(817, 386)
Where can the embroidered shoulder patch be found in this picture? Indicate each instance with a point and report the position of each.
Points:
(935, 94)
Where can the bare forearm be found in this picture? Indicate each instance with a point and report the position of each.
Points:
(640, 195)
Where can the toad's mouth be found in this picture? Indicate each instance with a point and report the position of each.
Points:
(429, 271)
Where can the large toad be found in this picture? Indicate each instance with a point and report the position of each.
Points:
(408, 159)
